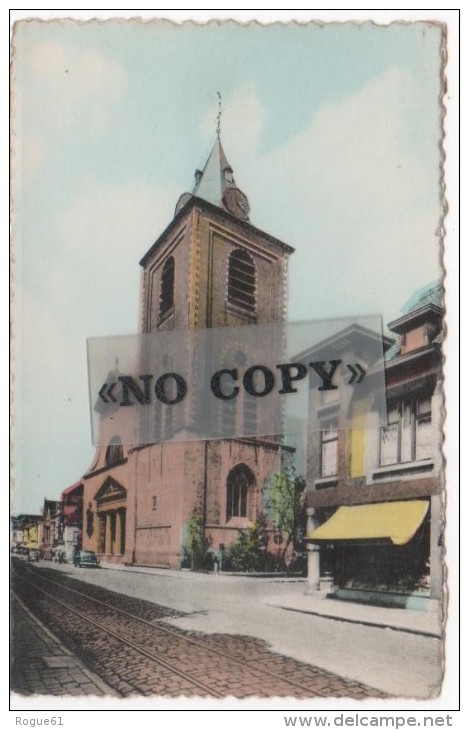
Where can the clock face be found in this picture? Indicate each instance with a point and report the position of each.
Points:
(185, 197)
(236, 203)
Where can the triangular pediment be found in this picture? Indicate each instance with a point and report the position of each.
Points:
(110, 489)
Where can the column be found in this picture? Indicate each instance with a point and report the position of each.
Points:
(121, 531)
(107, 539)
(113, 532)
(313, 554)
(436, 553)
(116, 548)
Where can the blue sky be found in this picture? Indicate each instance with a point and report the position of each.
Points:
(332, 132)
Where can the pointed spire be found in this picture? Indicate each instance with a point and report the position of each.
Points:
(210, 184)
(217, 185)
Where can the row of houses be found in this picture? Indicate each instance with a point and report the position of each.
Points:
(54, 534)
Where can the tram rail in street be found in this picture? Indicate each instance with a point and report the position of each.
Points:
(140, 656)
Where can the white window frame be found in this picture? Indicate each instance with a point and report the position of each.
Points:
(329, 435)
(416, 418)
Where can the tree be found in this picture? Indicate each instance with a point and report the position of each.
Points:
(285, 503)
(196, 545)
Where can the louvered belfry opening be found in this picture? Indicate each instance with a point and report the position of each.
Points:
(167, 287)
(242, 281)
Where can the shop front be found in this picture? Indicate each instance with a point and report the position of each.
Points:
(377, 554)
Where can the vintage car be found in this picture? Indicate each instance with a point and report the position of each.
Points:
(86, 559)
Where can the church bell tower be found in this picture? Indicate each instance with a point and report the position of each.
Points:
(211, 267)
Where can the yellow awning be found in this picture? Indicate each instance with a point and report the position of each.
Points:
(398, 521)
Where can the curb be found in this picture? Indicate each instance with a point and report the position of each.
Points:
(363, 622)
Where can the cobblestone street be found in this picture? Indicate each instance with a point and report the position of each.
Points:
(244, 618)
(129, 644)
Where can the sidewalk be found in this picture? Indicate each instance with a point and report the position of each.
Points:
(42, 665)
(399, 619)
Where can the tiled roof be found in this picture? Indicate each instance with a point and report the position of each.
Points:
(71, 489)
(426, 295)
(429, 294)
(393, 352)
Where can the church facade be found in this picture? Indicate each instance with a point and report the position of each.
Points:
(209, 268)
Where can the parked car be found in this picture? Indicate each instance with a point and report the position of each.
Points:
(86, 559)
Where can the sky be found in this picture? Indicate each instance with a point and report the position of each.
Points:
(332, 132)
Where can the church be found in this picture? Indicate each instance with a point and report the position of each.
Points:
(209, 268)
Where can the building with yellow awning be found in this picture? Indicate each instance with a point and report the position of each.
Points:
(394, 521)
(374, 507)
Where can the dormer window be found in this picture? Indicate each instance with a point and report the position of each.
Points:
(242, 281)
(413, 339)
(167, 287)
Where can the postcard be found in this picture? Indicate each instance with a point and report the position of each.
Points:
(229, 325)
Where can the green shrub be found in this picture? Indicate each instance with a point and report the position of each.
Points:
(196, 546)
(248, 552)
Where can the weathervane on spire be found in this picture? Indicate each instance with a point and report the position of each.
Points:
(220, 112)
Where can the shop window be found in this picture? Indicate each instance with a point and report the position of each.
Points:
(408, 435)
(167, 287)
(242, 281)
(329, 443)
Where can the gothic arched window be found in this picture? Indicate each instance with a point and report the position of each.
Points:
(238, 483)
(114, 452)
(167, 287)
(242, 280)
